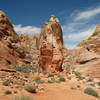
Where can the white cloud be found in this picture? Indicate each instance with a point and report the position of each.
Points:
(79, 36)
(26, 29)
(73, 39)
(87, 14)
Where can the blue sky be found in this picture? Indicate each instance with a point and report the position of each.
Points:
(77, 17)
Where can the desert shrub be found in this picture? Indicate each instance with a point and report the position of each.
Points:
(78, 75)
(31, 88)
(90, 91)
(98, 83)
(44, 73)
(6, 83)
(26, 76)
(73, 88)
(38, 80)
(23, 97)
(25, 69)
(15, 91)
(78, 86)
(51, 81)
(62, 79)
(69, 78)
(8, 92)
(92, 84)
(90, 79)
(50, 75)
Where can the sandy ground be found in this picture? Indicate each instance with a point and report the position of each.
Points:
(55, 91)
(63, 91)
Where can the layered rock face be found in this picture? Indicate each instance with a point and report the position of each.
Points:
(51, 44)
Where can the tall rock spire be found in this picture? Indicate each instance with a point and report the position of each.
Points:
(51, 44)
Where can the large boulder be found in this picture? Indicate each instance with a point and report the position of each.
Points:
(51, 45)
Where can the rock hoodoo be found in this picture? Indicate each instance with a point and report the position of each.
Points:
(51, 44)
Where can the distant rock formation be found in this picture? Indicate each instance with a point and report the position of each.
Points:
(51, 44)
(85, 58)
(93, 42)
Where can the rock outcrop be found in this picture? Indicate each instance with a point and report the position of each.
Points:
(51, 44)
(93, 42)
(11, 51)
(6, 28)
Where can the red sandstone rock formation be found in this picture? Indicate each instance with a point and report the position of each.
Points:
(51, 44)
(93, 42)
(11, 50)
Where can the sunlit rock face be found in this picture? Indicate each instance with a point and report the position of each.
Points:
(6, 28)
(12, 50)
(51, 44)
(93, 42)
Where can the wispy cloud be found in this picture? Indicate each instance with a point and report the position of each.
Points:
(73, 39)
(87, 14)
(26, 29)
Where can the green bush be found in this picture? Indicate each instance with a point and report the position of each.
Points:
(31, 88)
(90, 91)
(62, 79)
(6, 83)
(24, 69)
(8, 92)
(78, 75)
(23, 97)
(50, 75)
(44, 73)
(38, 80)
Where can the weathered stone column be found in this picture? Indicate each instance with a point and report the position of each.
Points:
(51, 44)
